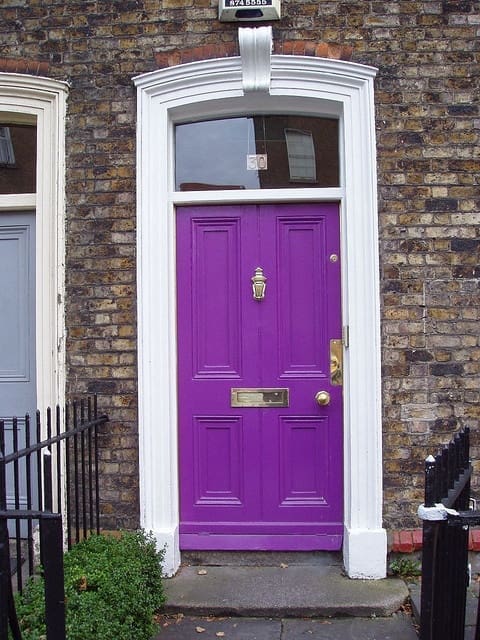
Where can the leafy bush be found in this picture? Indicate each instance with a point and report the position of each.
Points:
(30, 608)
(113, 587)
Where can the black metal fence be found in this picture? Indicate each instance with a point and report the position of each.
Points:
(39, 481)
(446, 521)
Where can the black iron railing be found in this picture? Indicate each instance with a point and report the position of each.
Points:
(39, 482)
(446, 520)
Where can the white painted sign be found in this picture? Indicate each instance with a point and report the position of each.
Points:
(257, 162)
(251, 10)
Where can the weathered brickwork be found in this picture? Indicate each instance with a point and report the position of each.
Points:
(428, 122)
(429, 161)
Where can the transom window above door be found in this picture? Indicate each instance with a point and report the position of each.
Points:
(257, 152)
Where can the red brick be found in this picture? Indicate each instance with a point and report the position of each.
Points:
(298, 48)
(347, 52)
(474, 540)
(334, 51)
(310, 47)
(226, 49)
(406, 540)
(287, 47)
(395, 546)
(321, 50)
(417, 539)
(23, 65)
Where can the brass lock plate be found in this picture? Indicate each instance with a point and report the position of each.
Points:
(255, 397)
(336, 362)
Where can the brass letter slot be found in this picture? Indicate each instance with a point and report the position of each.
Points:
(259, 397)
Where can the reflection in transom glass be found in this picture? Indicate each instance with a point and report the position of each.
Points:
(257, 152)
(18, 154)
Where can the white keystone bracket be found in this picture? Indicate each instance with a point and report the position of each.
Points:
(256, 46)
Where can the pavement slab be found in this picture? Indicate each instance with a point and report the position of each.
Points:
(470, 610)
(201, 628)
(397, 627)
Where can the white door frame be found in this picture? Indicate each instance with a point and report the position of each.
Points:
(28, 99)
(217, 88)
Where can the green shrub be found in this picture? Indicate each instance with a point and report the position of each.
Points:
(406, 567)
(113, 588)
(30, 608)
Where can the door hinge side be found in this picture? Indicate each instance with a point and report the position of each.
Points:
(346, 336)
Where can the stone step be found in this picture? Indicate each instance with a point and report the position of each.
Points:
(290, 588)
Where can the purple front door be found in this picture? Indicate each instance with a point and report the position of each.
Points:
(260, 458)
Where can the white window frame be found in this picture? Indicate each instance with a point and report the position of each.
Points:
(41, 101)
(212, 89)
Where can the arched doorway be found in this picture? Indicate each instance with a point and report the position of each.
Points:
(32, 122)
(40, 104)
(218, 88)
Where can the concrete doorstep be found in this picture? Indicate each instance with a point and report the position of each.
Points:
(286, 597)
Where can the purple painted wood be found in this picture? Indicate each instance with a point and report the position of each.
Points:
(258, 478)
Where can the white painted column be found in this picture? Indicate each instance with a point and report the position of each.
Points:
(365, 540)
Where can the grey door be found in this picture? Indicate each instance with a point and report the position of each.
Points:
(17, 328)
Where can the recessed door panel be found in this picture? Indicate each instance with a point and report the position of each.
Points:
(14, 303)
(258, 303)
(218, 460)
(301, 294)
(215, 310)
(302, 443)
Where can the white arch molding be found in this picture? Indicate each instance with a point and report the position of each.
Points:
(214, 88)
(41, 101)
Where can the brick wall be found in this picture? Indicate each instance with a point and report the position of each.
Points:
(428, 134)
(428, 121)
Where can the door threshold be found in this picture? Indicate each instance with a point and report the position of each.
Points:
(261, 558)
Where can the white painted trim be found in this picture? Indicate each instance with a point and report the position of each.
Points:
(213, 88)
(256, 195)
(18, 201)
(42, 101)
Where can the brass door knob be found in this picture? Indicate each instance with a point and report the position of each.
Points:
(323, 398)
